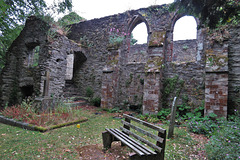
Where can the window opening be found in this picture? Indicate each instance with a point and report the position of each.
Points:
(139, 34)
(33, 57)
(185, 29)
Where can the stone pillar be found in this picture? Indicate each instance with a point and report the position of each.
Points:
(107, 98)
(153, 80)
(216, 80)
(152, 93)
(216, 94)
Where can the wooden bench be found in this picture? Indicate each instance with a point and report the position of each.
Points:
(152, 152)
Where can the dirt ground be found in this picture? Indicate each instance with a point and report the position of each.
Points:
(116, 152)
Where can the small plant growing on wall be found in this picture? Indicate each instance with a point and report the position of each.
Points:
(116, 36)
(185, 47)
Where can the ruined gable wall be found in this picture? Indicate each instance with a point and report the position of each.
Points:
(21, 78)
(15, 73)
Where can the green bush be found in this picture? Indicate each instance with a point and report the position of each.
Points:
(206, 127)
(162, 115)
(89, 92)
(225, 141)
(96, 101)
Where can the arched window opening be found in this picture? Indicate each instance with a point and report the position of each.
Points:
(32, 57)
(185, 29)
(139, 34)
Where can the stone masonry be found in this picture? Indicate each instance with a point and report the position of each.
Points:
(123, 74)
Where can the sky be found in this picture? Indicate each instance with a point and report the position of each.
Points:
(91, 9)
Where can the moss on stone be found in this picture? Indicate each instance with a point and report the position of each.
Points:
(157, 39)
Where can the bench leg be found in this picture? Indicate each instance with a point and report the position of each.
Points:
(107, 139)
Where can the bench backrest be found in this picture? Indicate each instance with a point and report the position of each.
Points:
(160, 138)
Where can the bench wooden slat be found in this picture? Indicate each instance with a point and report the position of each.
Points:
(163, 131)
(136, 143)
(125, 142)
(129, 141)
(133, 142)
(159, 139)
(142, 139)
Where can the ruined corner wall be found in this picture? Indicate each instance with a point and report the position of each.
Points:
(34, 52)
(16, 76)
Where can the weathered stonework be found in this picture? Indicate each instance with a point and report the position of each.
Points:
(20, 78)
(216, 94)
(122, 74)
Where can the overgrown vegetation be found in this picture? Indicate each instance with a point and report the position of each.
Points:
(211, 12)
(25, 112)
(224, 142)
(173, 86)
(96, 101)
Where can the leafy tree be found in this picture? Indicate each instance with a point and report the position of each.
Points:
(13, 14)
(210, 12)
(70, 18)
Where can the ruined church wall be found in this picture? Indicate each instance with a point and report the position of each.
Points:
(93, 35)
(17, 75)
(234, 70)
(130, 61)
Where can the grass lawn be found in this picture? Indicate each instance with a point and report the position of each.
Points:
(62, 143)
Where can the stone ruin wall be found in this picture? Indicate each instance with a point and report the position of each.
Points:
(20, 78)
(234, 70)
(124, 75)
(16, 77)
(127, 64)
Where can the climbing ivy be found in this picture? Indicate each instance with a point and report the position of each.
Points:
(171, 85)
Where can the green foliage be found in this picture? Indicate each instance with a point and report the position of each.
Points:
(200, 125)
(210, 12)
(224, 142)
(85, 41)
(116, 37)
(96, 101)
(133, 40)
(171, 85)
(89, 92)
(162, 115)
(149, 118)
(70, 18)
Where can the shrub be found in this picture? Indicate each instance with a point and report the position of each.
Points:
(96, 101)
(89, 92)
(224, 143)
(162, 115)
(206, 127)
